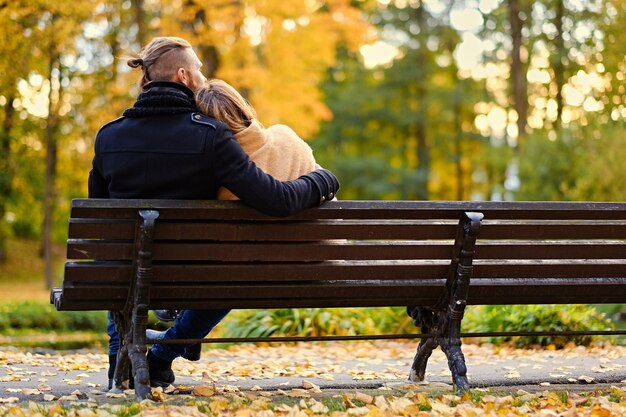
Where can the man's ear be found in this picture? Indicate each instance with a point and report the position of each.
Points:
(182, 76)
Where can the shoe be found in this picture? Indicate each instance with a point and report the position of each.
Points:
(161, 374)
(167, 315)
(192, 352)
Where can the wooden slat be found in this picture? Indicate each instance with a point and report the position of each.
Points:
(101, 229)
(356, 229)
(268, 231)
(521, 291)
(549, 269)
(541, 230)
(120, 273)
(265, 251)
(88, 305)
(347, 270)
(547, 291)
(265, 290)
(184, 209)
(347, 250)
(103, 250)
(550, 250)
(306, 231)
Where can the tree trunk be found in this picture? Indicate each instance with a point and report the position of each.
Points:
(54, 77)
(423, 147)
(557, 62)
(209, 55)
(458, 129)
(5, 173)
(518, 72)
(139, 13)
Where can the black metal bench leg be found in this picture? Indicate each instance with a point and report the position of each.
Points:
(424, 350)
(137, 346)
(122, 369)
(444, 320)
(132, 321)
(451, 346)
(425, 319)
(137, 352)
(459, 290)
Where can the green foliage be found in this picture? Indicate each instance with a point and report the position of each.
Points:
(317, 322)
(579, 164)
(38, 315)
(536, 318)
(358, 321)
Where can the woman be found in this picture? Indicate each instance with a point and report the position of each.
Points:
(277, 150)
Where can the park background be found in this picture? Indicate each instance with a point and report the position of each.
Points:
(402, 99)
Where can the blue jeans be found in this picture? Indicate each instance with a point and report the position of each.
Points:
(192, 324)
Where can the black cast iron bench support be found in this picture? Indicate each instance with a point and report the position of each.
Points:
(444, 320)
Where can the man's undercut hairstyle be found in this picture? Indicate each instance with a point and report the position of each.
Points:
(161, 58)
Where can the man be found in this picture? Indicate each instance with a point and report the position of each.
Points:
(163, 147)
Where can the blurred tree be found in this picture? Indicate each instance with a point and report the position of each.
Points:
(519, 13)
(275, 52)
(400, 129)
(16, 21)
(59, 24)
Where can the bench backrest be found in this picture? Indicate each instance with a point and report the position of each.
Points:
(212, 254)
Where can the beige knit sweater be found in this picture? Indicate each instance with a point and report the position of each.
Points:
(277, 150)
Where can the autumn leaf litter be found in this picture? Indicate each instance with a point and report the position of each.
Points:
(215, 390)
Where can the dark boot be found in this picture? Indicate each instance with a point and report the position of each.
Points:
(193, 352)
(161, 374)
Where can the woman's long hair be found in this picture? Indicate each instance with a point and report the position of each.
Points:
(220, 100)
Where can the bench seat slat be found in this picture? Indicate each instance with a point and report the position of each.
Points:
(221, 210)
(486, 291)
(121, 272)
(266, 251)
(349, 250)
(101, 229)
(334, 229)
(553, 230)
(550, 250)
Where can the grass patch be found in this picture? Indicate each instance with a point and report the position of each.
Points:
(22, 274)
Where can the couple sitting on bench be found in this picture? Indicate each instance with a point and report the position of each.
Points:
(183, 139)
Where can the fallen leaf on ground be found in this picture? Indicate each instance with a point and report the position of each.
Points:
(203, 391)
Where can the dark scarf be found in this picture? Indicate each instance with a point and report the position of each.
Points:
(162, 98)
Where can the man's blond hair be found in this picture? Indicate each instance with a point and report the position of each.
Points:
(161, 58)
(220, 100)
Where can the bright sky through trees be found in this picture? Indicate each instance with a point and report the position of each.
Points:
(467, 18)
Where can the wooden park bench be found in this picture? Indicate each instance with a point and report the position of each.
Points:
(134, 255)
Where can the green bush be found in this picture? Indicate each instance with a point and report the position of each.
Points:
(317, 322)
(388, 320)
(38, 315)
(530, 318)
(27, 315)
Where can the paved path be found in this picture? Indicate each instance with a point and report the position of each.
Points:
(289, 370)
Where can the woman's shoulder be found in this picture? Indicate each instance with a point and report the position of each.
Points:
(285, 134)
(282, 129)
